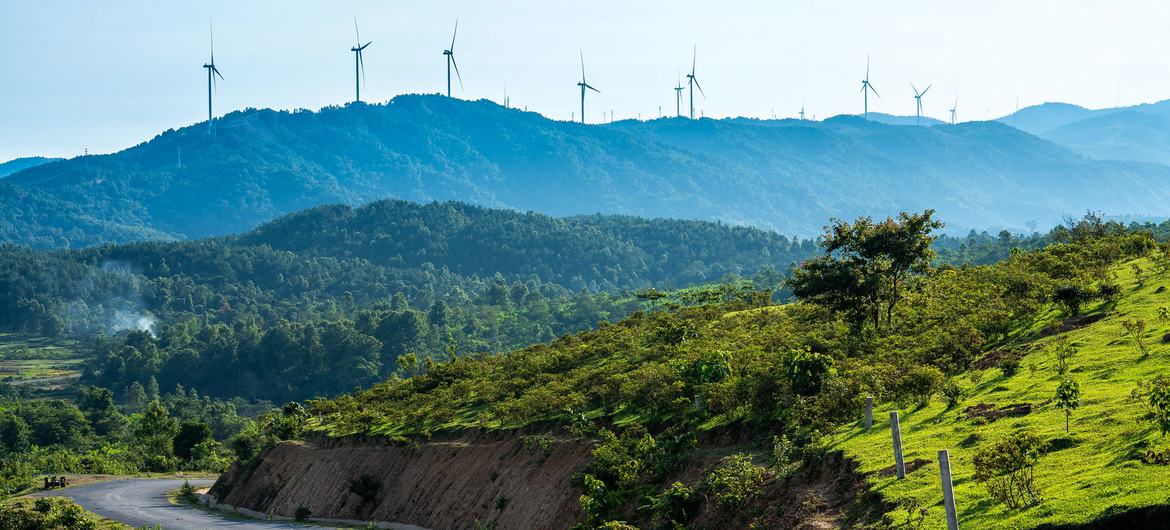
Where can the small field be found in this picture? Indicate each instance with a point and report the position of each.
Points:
(1092, 471)
(39, 363)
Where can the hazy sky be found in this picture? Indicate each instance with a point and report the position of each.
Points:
(106, 75)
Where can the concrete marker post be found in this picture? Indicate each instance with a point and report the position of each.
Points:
(896, 429)
(944, 469)
(868, 412)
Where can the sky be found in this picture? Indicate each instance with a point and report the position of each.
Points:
(105, 75)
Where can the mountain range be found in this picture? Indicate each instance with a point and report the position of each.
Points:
(1137, 133)
(785, 175)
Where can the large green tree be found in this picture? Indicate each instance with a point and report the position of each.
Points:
(865, 266)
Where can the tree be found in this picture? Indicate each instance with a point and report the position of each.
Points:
(101, 411)
(866, 264)
(1068, 398)
(191, 433)
(155, 434)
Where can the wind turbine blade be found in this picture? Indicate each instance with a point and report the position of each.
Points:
(927, 90)
(362, 47)
(216, 70)
(452, 48)
(456, 65)
(357, 34)
(875, 92)
(582, 52)
(915, 89)
(587, 85)
(694, 58)
(700, 87)
(867, 67)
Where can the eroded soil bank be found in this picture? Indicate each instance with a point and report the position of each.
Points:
(509, 481)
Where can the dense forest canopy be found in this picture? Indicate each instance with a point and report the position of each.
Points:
(323, 300)
(261, 164)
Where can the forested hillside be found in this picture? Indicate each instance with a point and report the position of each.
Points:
(261, 164)
(321, 301)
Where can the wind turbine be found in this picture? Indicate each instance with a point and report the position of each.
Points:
(450, 53)
(211, 72)
(358, 64)
(678, 90)
(584, 86)
(918, 103)
(801, 111)
(953, 108)
(693, 81)
(866, 88)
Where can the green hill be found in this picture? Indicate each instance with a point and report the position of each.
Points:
(262, 164)
(321, 301)
(788, 382)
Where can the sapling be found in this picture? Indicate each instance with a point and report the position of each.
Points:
(1068, 398)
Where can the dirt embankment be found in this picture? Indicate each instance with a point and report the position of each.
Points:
(510, 481)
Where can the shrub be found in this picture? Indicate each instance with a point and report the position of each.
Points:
(365, 487)
(808, 370)
(1010, 364)
(674, 506)
(1159, 400)
(952, 392)
(302, 512)
(187, 492)
(918, 384)
(1072, 297)
(1064, 352)
(1135, 329)
(1006, 469)
(734, 481)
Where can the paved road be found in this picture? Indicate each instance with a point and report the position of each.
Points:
(139, 502)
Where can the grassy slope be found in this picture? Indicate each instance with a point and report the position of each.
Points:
(1097, 474)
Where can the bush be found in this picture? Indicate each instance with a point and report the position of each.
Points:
(187, 492)
(366, 487)
(734, 481)
(1010, 364)
(1072, 297)
(302, 513)
(1006, 469)
(674, 506)
(952, 392)
(808, 370)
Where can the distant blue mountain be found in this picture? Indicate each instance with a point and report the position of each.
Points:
(18, 164)
(786, 175)
(1137, 133)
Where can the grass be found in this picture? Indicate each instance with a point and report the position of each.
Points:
(1088, 473)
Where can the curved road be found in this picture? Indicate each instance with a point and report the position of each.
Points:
(139, 502)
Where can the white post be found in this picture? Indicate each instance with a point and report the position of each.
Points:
(868, 412)
(899, 466)
(944, 468)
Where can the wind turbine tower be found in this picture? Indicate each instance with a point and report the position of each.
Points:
(359, 66)
(584, 85)
(953, 108)
(678, 90)
(918, 103)
(866, 88)
(693, 81)
(211, 72)
(450, 53)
